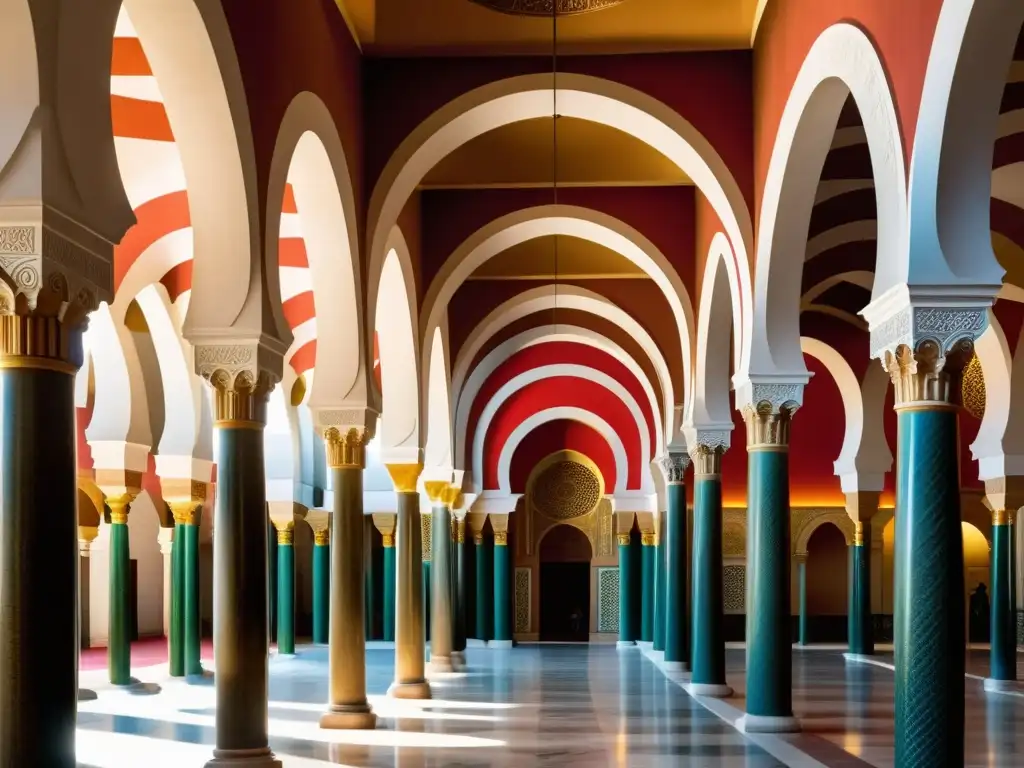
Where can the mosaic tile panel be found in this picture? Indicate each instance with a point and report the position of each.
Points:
(734, 590)
(608, 599)
(426, 525)
(522, 600)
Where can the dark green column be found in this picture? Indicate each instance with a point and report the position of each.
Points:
(461, 589)
(176, 640)
(502, 590)
(658, 645)
(370, 582)
(286, 589)
(191, 615)
(769, 643)
(241, 581)
(860, 629)
(484, 591)
(119, 641)
(38, 553)
(647, 594)
(677, 646)
(929, 578)
(708, 656)
(1003, 648)
(321, 585)
(390, 582)
(800, 558)
(626, 637)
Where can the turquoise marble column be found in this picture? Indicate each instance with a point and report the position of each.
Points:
(1003, 648)
(708, 649)
(769, 644)
(502, 584)
(626, 589)
(286, 589)
(389, 587)
(484, 588)
(647, 594)
(860, 629)
(677, 645)
(321, 585)
(929, 569)
(800, 558)
(658, 644)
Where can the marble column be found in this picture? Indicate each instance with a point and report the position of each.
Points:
(861, 506)
(347, 704)
(626, 589)
(677, 646)
(241, 581)
(708, 649)
(39, 569)
(186, 519)
(285, 587)
(769, 643)
(176, 636)
(483, 590)
(502, 566)
(461, 591)
(647, 595)
(441, 613)
(119, 639)
(410, 680)
(800, 559)
(929, 569)
(385, 523)
(1004, 496)
(319, 522)
(658, 641)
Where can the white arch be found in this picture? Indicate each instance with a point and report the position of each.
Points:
(464, 397)
(397, 327)
(999, 446)
(191, 52)
(282, 450)
(520, 226)
(540, 373)
(842, 62)
(951, 166)
(567, 413)
(865, 456)
(439, 447)
(719, 327)
(310, 155)
(581, 96)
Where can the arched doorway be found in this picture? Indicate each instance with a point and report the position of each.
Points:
(827, 585)
(565, 555)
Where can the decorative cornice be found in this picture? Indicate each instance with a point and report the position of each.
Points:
(547, 7)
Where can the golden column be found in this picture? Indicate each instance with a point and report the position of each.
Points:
(346, 457)
(410, 637)
(441, 614)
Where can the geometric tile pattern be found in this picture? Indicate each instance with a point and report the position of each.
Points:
(522, 600)
(607, 599)
(734, 589)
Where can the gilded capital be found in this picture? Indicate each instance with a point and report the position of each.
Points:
(501, 538)
(285, 534)
(119, 506)
(240, 396)
(322, 537)
(858, 533)
(388, 539)
(404, 476)
(648, 539)
(437, 491)
(707, 459)
(623, 539)
(767, 427)
(346, 447)
(186, 512)
(452, 496)
(928, 377)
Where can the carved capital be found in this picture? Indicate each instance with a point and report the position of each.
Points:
(501, 538)
(928, 376)
(648, 539)
(499, 524)
(404, 476)
(343, 419)
(241, 386)
(346, 446)
(186, 512)
(320, 521)
(673, 467)
(285, 534)
(321, 537)
(707, 457)
(767, 427)
(120, 487)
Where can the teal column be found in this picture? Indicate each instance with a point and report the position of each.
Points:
(119, 641)
(769, 639)
(286, 589)
(801, 589)
(461, 589)
(176, 640)
(191, 616)
(929, 579)
(321, 586)
(859, 627)
(502, 591)
(659, 587)
(484, 593)
(677, 648)
(647, 595)
(1003, 649)
(390, 582)
(38, 567)
(708, 657)
(425, 591)
(626, 637)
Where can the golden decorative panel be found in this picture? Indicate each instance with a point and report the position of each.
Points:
(972, 389)
(547, 7)
(522, 598)
(426, 523)
(566, 490)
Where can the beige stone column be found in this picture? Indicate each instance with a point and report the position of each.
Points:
(165, 538)
(441, 613)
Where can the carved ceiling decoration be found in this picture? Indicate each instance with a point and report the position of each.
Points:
(972, 390)
(547, 7)
(566, 490)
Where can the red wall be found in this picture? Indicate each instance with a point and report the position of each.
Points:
(561, 435)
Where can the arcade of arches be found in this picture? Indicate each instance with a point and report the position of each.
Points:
(384, 347)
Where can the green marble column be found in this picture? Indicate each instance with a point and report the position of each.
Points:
(286, 589)
(626, 589)
(484, 589)
(461, 590)
(39, 567)
(647, 594)
(410, 636)
(859, 625)
(769, 642)
(241, 581)
(677, 646)
(191, 611)
(389, 587)
(321, 586)
(441, 609)
(708, 635)
(176, 639)
(658, 645)
(119, 640)
(801, 590)
(502, 583)
(347, 705)
(929, 569)
(1003, 648)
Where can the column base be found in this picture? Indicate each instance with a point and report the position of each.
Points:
(500, 645)
(714, 690)
(416, 690)
(459, 660)
(441, 664)
(1003, 686)
(767, 724)
(243, 758)
(675, 666)
(358, 717)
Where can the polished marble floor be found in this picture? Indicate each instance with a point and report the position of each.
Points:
(533, 706)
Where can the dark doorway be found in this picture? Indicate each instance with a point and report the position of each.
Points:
(565, 585)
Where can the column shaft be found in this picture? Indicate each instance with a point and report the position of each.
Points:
(191, 616)
(321, 589)
(410, 638)
(659, 589)
(38, 567)
(502, 590)
(677, 647)
(647, 596)
(801, 578)
(860, 630)
(484, 591)
(119, 641)
(285, 592)
(708, 659)
(461, 588)
(389, 588)
(1003, 653)
(625, 591)
(441, 613)
(929, 590)
(176, 640)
